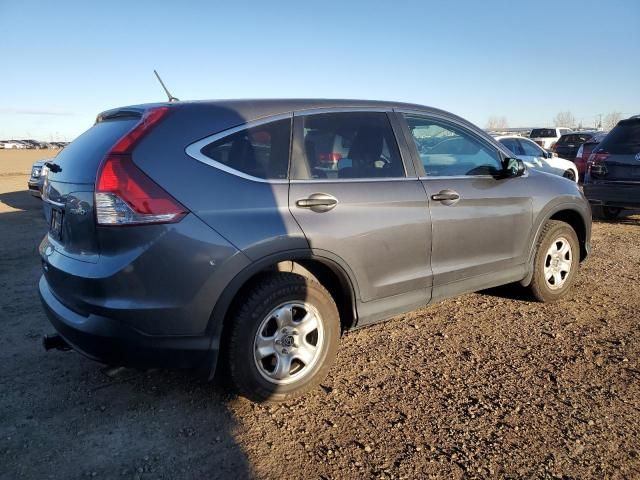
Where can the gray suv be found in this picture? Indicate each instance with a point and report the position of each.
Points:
(254, 232)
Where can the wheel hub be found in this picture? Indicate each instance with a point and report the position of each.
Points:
(288, 342)
(558, 263)
(285, 341)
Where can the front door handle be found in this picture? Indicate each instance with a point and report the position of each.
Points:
(447, 197)
(318, 202)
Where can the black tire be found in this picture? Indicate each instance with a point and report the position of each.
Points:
(552, 231)
(252, 309)
(611, 213)
(570, 175)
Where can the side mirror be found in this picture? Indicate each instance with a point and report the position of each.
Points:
(514, 167)
(548, 154)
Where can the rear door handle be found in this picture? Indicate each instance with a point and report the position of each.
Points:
(447, 197)
(318, 202)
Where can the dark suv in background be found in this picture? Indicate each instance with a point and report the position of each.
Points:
(568, 144)
(256, 231)
(612, 180)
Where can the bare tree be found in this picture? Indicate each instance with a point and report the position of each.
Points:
(564, 119)
(611, 120)
(497, 123)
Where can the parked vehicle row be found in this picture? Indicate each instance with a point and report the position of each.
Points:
(547, 137)
(29, 144)
(250, 234)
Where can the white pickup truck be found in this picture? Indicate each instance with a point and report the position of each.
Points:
(546, 137)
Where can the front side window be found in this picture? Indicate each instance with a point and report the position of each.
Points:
(261, 151)
(349, 145)
(448, 150)
(531, 149)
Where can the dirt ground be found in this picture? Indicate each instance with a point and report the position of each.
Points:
(488, 385)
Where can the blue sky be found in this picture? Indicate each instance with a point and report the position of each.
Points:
(65, 61)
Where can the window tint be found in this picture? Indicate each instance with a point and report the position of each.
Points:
(542, 133)
(513, 145)
(530, 148)
(349, 145)
(261, 151)
(447, 150)
(574, 138)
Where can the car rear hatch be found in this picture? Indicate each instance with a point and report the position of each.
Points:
(617, 157)
(567, 146)
(68, 191)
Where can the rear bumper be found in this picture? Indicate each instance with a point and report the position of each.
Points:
(613, 194)
(110, 341)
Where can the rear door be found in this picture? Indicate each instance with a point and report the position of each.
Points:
(481, 223)
(69, 185)
(366, 207)
(619, 153)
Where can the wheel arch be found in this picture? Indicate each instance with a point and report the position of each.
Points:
(329, 270)
(568, 214)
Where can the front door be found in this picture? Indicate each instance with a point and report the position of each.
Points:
(481, 223)
(352, 197)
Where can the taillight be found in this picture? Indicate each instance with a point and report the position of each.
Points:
(124, 194)
(595, 164)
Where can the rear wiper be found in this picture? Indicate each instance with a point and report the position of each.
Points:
(53, 167)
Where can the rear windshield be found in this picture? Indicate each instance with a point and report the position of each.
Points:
(597, 137)
(575, 138)
(624, 139)
(542, 132)
(79, 161)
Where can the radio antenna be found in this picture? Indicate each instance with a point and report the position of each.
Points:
(171, 97)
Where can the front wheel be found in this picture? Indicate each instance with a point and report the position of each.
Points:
(283, 338)
(611, 213)
(556, 261)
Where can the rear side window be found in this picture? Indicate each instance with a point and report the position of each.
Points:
(349, 145)
(531, 148)
(261, 151)
(624, 139)
(448, 150)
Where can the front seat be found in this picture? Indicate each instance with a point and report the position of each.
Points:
(365, 151)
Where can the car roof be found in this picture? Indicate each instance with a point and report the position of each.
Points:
(253, 109)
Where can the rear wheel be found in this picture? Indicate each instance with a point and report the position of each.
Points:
(283, 338)
(556, 261)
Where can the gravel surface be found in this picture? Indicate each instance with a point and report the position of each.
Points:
(483, 386)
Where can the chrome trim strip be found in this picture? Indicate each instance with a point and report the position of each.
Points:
(56, 204)
(195, 149)
(452, 177)
(354, 180)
